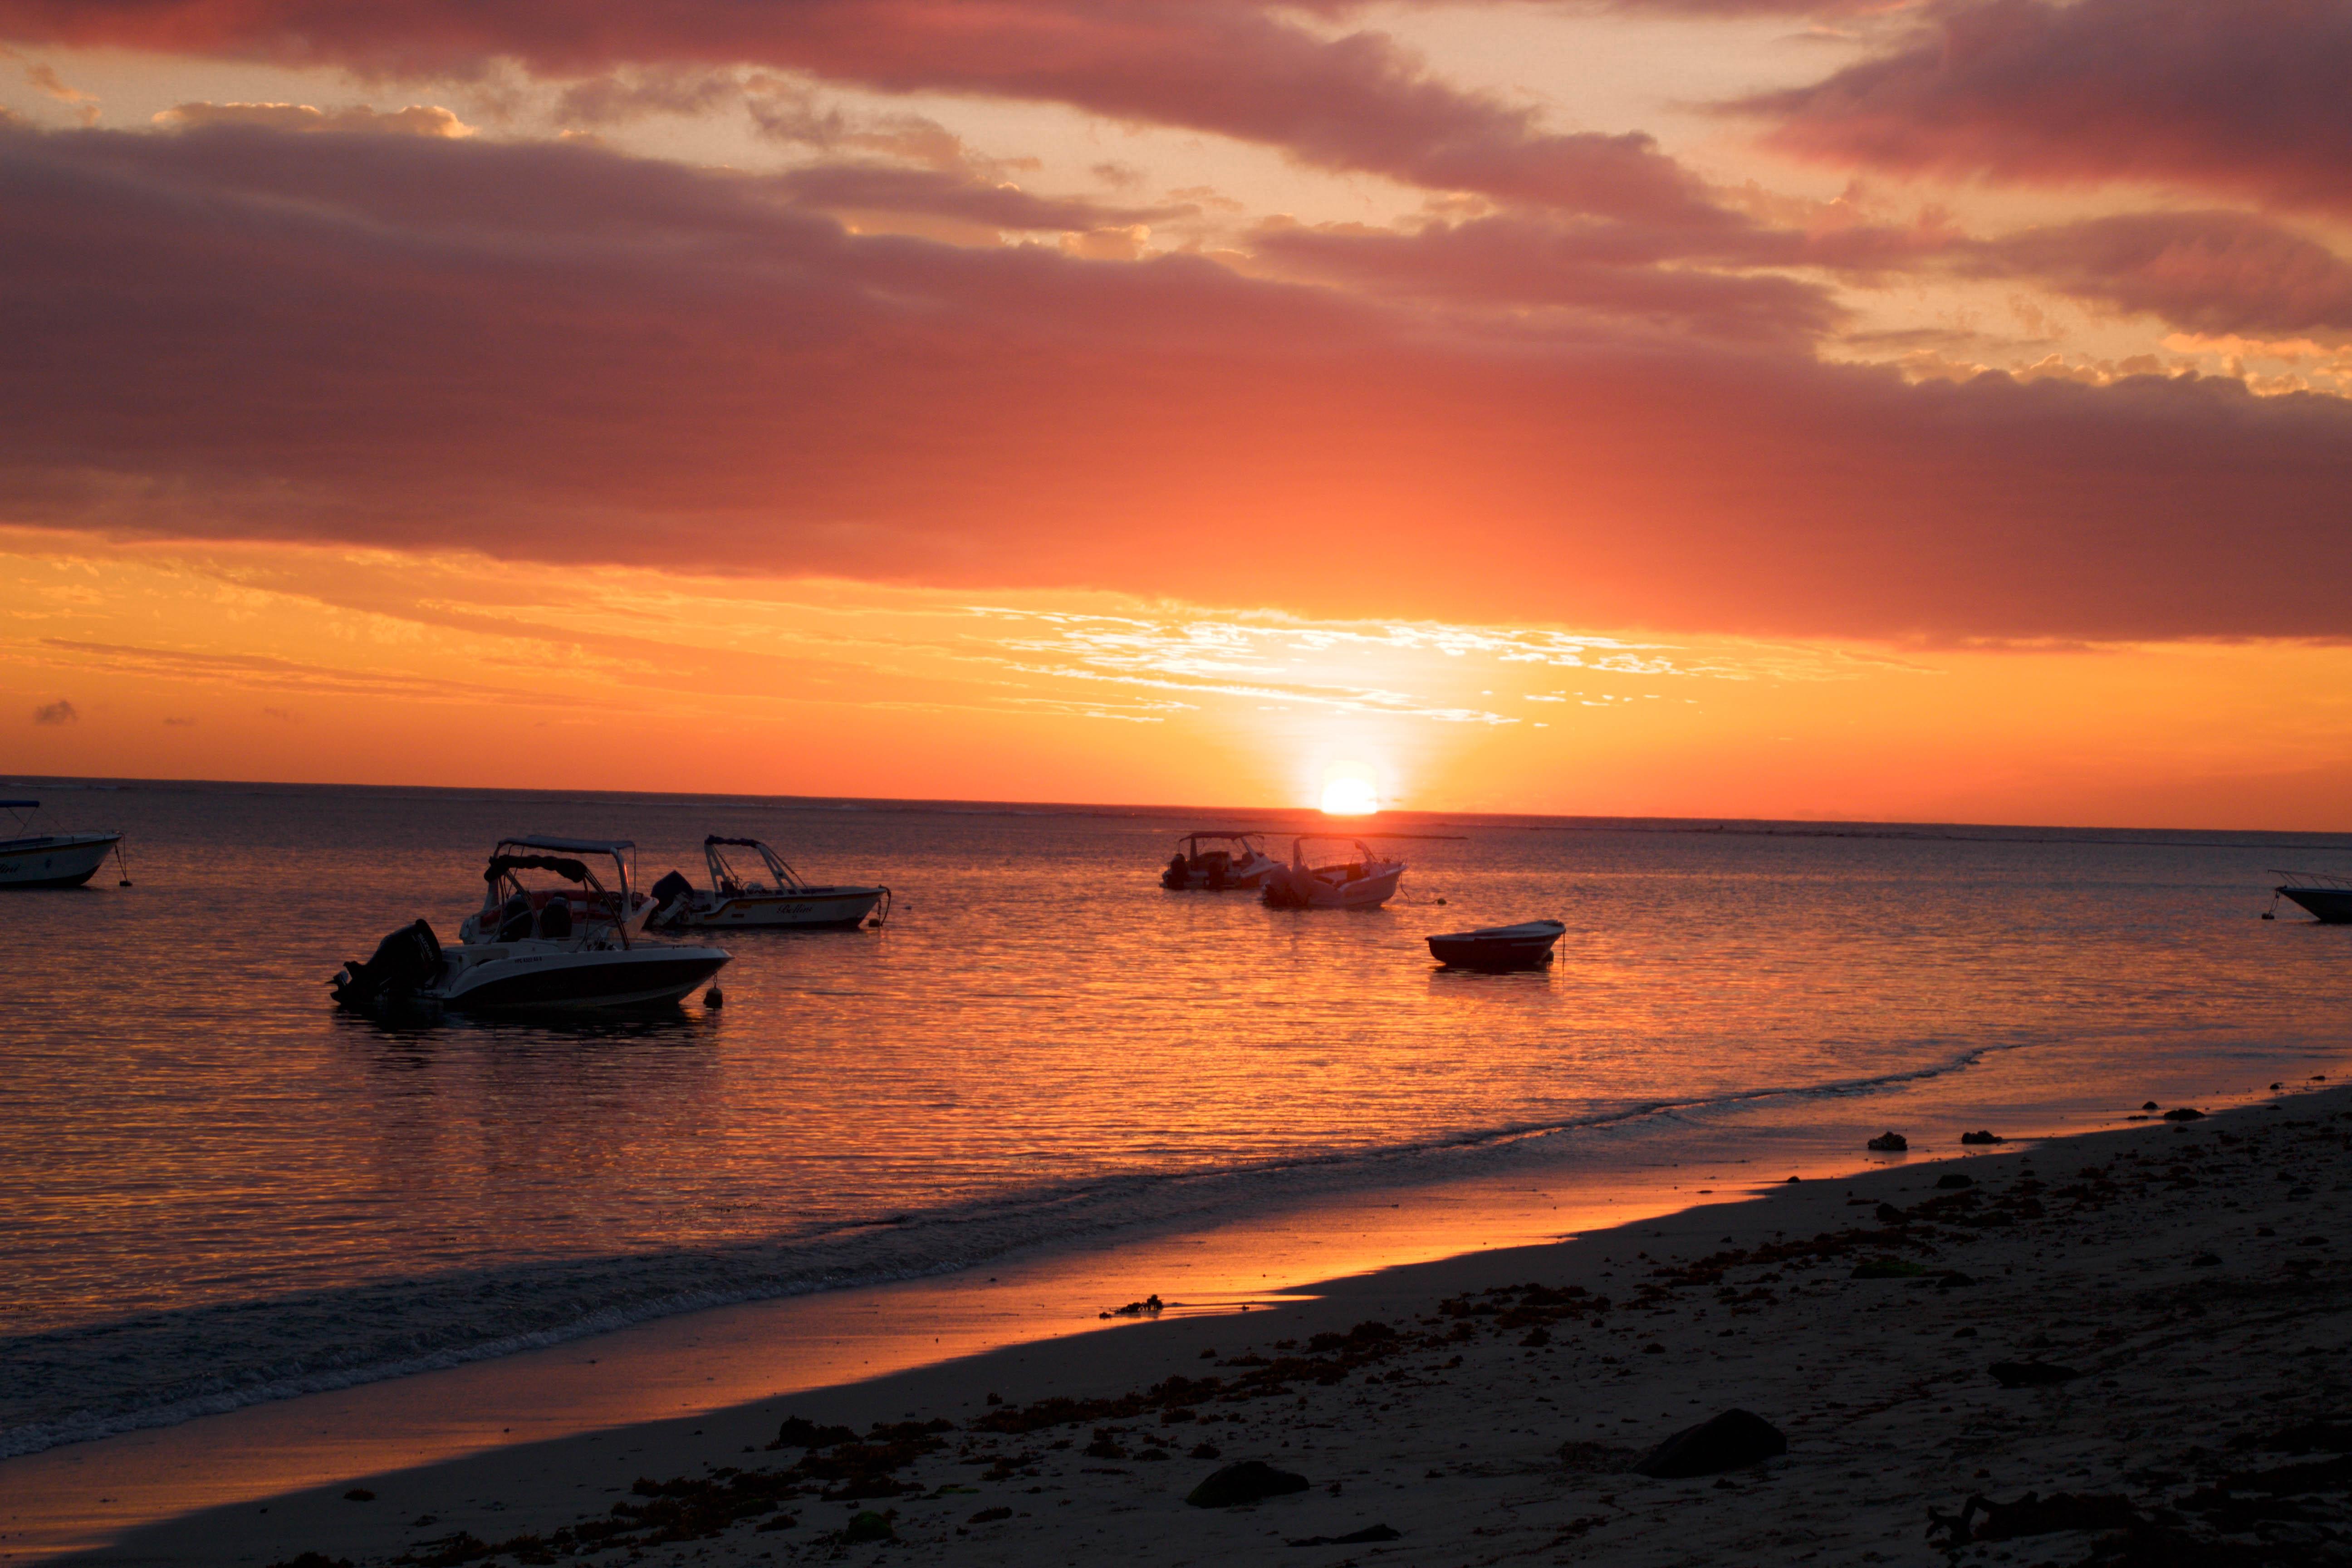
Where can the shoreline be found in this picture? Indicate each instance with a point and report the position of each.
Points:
(1390, 1425)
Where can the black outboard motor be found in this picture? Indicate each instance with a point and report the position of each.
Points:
(404, 961)
(672, 889)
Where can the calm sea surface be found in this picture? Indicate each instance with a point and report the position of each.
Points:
(219, 1189)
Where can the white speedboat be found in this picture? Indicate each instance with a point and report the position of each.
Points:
(1364, 883)
(2329, 898)
(1497, 948)
(739, 896)
(1231, 860)
(556, 949)
(29, 859)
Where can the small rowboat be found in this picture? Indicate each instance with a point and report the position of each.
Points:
(1493, 948)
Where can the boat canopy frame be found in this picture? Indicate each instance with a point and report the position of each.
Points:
(727, 884)
(500, 884)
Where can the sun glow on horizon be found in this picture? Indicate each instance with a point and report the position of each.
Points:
(1347, 792)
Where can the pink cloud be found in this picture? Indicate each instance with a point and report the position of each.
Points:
(2245, 97)
(2208, 271)
(1359, 101)
(555, 353)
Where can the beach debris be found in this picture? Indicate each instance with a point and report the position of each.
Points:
(1654, 1348)
(2030, 1373)
(1207, 1451)
(1537, 1338)
(800, 1432)
(2034, 1514)
(1952, 1280)
(1364, 1537)
(1887, 1213)
(2206, 1261)
(313, 1560)
(359, 1494)
(1579, 1458)
(1152, 1306)
(1953, 1181)
(1251, 1480)
(2150, 1105)
(868, 1525)
(1105, 1446)
(1731, 1441)
(1964, 1333)
(990, 1516)
(1888, 1268)
(1983, 1137)
(1890, 1143)
(2184, 1113)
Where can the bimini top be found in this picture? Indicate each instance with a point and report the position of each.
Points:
(572, 846)
(20, 805)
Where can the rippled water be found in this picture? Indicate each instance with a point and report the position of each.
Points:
(221, 1189)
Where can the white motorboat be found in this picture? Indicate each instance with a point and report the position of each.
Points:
(1231, 860)
(29, 859)
(2329, 898)
(555, 949)
(779, 897)
(1497, 948)
(1364, 883)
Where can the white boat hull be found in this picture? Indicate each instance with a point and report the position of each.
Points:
(1310, 891)
(808, 909)
(554, 977)
(59, 860)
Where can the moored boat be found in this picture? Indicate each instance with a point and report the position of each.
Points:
(741, 896)
(29, 859)
(549, 949)
(1364, 883)
(2329, 898)
(1498, 948)
(1232, 861)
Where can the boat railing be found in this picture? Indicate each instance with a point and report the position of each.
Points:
(2312, 880)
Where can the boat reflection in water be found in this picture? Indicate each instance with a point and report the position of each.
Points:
(535, 950)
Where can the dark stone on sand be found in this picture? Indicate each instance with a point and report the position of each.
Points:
(2184, 1113)
(1252, 1481)
(1364, 1537)
(1890, 1143)
(359, 1494)
(1731, 1441)
(1888, 1268)
(1952, 1181)
(870, 1526)
(1538, 1337)
(1792, 1178)
(1887, 1213)
(1983, 1137)
(2205, 1260)
(1952, 1280)
(1207, 1451)
(2030, 1373)
(313, 1560)
(2150, 1105)
(800, 1432)
(1654, 1348)
(990, 1516)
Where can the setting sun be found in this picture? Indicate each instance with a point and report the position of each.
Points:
(1349, 794)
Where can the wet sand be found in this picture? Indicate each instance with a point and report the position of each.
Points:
(2188, 1273)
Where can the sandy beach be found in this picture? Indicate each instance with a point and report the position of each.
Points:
(2174, 1291)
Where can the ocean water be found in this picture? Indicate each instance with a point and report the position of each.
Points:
(221, 1189)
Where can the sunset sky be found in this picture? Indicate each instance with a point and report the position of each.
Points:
(1714, 407)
